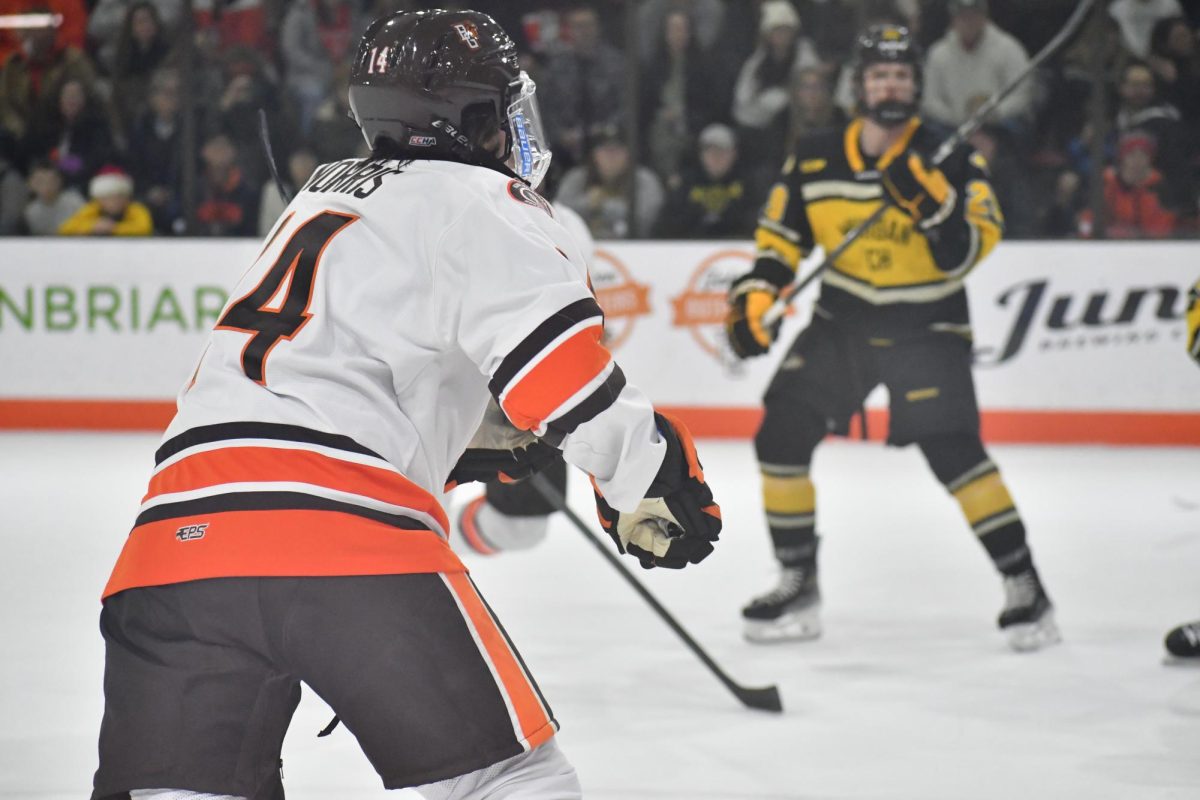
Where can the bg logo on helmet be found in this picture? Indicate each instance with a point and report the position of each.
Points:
(468, 33)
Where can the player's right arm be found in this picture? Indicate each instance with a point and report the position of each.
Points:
(782, 239)
(522, 312)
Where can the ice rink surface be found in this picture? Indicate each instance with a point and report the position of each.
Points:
(911, 693)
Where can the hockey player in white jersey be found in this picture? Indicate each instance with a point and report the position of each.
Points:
(292, 532)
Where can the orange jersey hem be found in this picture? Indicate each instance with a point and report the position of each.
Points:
(276, 543)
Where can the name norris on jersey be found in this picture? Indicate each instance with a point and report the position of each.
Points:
(355, 176)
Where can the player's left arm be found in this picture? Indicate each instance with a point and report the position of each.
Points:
(528, 320)
(954, 206)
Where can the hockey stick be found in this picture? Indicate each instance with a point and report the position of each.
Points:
(964, 131)
(264, 133)
(765, 698)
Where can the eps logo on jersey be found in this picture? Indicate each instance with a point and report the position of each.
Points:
(190, 533)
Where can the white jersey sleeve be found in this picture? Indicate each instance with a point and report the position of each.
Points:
(512, 285)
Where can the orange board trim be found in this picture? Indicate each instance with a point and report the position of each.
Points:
(999, 425)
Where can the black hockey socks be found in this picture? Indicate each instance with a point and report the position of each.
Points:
(790, 503)
(963, 467)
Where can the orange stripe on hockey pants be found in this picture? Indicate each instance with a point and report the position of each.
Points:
(535, 725)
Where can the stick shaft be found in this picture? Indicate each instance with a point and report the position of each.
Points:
(552, 496)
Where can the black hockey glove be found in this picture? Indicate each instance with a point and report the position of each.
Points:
(678, 521)
(920, 190)
(749, 298)
(500, 451)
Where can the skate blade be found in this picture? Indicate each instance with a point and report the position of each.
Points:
(798, 626)
(1171, 660)
(1031, 636)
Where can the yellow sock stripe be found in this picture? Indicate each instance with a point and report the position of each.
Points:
(793, 494)
(984, 497)
(770, 241)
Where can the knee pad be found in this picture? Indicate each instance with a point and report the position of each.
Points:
(487, 531)
(789, 434)
(953, 458)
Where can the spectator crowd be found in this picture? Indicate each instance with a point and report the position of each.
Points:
(96, 110)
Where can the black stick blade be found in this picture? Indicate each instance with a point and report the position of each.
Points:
(765, 699)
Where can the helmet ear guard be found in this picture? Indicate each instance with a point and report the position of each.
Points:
(887, 44)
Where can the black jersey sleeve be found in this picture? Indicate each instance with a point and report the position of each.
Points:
(976, 224)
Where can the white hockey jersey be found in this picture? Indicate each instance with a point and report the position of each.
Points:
(352, 365)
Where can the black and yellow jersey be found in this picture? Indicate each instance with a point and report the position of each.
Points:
(895, 279)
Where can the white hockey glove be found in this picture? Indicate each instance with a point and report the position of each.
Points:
(679, 520)
(500, 451)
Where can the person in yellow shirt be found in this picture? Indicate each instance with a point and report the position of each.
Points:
(112, 210)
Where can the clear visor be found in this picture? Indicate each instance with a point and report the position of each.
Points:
(530, 156)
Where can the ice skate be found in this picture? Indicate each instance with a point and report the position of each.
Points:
(1028, 615)
(789, 612)
(1183, 644)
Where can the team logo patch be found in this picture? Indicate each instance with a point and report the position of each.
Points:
(190, 533)
(417, 140)
(622, 298)
(468, 33)
(523, 194)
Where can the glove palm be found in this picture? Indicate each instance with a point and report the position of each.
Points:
(678, 521)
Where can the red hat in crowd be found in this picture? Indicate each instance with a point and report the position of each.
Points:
(1137, 140)
(110, 181)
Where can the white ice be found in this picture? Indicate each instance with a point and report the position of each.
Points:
(911, 693)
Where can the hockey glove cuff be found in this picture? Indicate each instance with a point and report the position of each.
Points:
(749, 299)
(500, 451)
(919, 190)
(678, 521)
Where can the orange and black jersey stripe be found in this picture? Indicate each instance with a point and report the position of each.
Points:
(560, 375)
(262, 499)
(894, 279)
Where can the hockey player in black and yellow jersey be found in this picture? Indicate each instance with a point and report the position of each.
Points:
(892, 310)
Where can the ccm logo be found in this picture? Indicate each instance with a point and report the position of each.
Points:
(191, 532)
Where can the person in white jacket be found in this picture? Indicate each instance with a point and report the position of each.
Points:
(763, 91)
(974, 60)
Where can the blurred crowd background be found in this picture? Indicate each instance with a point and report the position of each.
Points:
(668, 118)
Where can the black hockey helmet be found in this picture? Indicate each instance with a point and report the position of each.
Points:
(887, 44)
(442, 84)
